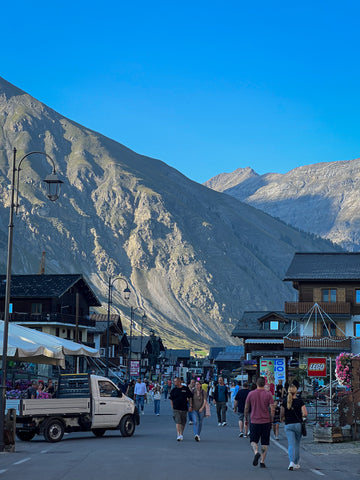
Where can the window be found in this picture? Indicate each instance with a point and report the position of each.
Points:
(329, 295)
(329, 328)
(274, 325)
(36, 308)
(356, 329)
(107, 389)
(357, 296)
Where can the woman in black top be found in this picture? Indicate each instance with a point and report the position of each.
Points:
(293, 411)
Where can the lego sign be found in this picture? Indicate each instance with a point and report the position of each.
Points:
(316, 367)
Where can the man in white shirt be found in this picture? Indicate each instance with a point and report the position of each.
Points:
(140, 395)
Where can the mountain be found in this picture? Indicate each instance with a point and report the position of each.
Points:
(322, 198)
(195, 258)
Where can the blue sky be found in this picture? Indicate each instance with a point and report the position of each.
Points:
(207, 87)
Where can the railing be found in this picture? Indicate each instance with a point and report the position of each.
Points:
(338, 343)
(60, 318)
(328, 307)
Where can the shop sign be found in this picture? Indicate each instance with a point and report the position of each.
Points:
(316, 367)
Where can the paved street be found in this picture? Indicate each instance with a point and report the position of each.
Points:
(154, 453)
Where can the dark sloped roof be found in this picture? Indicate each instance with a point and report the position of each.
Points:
(137, 343)
(214, 352)
(324, 266)
(251, 325)
(47, 286)
(173, 353)
(230, 354)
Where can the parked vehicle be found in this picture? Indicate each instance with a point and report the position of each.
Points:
(83, 403)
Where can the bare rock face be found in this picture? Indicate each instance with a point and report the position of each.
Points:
(195, 258)
(322, 198)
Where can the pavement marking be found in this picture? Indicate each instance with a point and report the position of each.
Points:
(316, 471)
(278, 444)
(22, 461)
(45, 451)
(3, 471)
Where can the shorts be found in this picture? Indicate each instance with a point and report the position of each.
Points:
(260, 431)
(241, 416)
(180, 417)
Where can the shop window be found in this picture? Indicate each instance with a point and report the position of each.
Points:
(36, 308)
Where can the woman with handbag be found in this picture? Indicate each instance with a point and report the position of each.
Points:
(198, 409)
(294, 412)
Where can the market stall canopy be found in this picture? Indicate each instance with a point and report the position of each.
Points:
(29, 345)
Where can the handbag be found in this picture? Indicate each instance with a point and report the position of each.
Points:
(207, 410)
(303, 426)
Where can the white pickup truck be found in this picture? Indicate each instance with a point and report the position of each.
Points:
(83, 403)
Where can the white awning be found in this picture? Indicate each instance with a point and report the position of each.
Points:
(30, 345)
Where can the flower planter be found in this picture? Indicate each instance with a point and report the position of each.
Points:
(328, 435)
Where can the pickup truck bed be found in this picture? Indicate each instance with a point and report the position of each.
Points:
(54, 406)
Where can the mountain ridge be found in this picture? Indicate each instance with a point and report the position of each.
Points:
(195, 258)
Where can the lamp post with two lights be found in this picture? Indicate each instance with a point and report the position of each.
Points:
(54, 185)
(126, 296)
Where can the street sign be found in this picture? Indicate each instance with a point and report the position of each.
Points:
(317, 367)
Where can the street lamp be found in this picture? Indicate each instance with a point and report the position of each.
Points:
(126, 296)
(54, 185)
(132, 311)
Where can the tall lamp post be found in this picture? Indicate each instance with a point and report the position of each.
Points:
(54, 185)
(132, 311)
(126, 296)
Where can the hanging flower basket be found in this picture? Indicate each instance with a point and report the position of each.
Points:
(343, 368)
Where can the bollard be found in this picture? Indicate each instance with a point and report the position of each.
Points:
(10, 430)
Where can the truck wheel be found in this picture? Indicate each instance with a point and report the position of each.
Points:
(127, 426)
(54, 431)
(98, 432)
(25, 436)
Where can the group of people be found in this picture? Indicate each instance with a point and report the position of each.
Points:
(38, 389)
(258, 412)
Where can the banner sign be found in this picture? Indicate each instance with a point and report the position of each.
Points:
(316, 367)
(134, 368)
(273, 369)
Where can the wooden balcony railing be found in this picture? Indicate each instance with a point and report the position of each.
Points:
(337, 343)
(60, 318)
(328, 307)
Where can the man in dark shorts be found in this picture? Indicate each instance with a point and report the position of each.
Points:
(239, 407)
(180, 396)
(260, 403)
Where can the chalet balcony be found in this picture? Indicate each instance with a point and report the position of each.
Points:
(57, 318)
(318, 343)
(328, 307)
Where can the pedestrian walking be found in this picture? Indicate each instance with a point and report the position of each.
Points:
(191, 386)
(130, 391)
(140, 395)
(276, 419)
(221, 396)
(181, 402)
(293, 411)
(261, 405)
(239, 408)
(157, 398)
(198, 409)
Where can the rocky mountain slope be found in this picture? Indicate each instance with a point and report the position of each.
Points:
(195, 258)
(322, 198)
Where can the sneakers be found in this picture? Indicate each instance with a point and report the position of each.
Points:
(241, 434)
(245, 436)
(190, 423)
(219, 424)
(197, 438)
(224, 423)
(276, 438)
(180, 438)
(256, 459)
(291, 466)
(262, 465)
(143, 413)
(296, 466)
